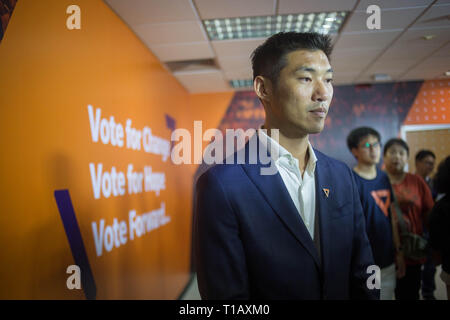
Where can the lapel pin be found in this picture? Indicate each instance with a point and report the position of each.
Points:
(326, 191)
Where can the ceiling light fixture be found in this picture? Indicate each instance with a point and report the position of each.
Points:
(265, 26)
(381, 77)
(246, 83)
(429, 37)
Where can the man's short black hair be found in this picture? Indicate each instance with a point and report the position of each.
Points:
(356, 135)
(396, 141)
(270, 57)
(442, 177)
(424, 153)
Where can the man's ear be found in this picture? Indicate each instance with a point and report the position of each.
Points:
(263, 88)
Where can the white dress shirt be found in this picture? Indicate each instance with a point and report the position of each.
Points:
(301, 189)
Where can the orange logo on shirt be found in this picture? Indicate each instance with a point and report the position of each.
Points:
(377, 196)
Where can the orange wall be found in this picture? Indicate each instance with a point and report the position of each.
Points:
(432, 104)
(48, 77)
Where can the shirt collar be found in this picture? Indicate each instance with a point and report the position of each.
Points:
(284, 153)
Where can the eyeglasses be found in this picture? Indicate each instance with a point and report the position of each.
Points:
(373, 145)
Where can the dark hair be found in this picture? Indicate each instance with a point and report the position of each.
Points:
(270, 57)
(356, 135)
(397, 141)
(424, 153)
(441, 180)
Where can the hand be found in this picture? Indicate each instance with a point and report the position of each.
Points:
(400, 263)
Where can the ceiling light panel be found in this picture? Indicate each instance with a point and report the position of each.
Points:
(246, 83)
(265, 26)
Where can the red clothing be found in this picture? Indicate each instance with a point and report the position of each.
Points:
(415, 201)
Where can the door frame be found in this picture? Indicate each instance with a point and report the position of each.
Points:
(420, 127)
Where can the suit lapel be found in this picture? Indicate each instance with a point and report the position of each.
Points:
(275, 193)
(325, 204)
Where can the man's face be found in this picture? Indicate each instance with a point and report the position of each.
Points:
(302, 95)
(395, 159)
(368, 150)
(425, 166)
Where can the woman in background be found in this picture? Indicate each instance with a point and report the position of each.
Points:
(440, 220)
(415, 202)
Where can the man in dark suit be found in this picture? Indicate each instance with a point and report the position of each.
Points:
(298, 233)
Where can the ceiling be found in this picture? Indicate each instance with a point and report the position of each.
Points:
(173, 31)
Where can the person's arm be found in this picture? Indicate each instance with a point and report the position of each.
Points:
(362, 256)
(218, 251)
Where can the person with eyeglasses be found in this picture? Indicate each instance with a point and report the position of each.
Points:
(415, 202)
(376, 196)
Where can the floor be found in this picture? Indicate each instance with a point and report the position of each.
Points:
(440, 293)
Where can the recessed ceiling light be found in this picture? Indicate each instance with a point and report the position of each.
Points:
(447, 73)
(265, 26)
(245, 83)
(429, 37)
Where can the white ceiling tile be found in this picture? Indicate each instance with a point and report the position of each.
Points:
(391, 65)
(211, 9)
(349, 74)
(165, 33)
(242, 47)
(235, 63)
(408, 51)
(198, 82)
(135, 12)
(430, 68)
(354, 53)
(343, 82)
(436, 16)
(355, 62)
(172, 31)
(346, 82)
(435, 63)
(370, 39)
(443, 52)
(239, 74)
(368, 78)
(419, 74)
(183, 51)
(300, 6)
(415, 36)
(389, 4)
(394, 69)
(390, 19)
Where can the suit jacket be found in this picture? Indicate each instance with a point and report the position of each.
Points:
(251, 243)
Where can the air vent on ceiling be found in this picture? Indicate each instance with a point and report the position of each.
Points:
(192, 65)
(379, 77)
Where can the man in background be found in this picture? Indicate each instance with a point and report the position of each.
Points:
(425, 162)
(376, 196)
